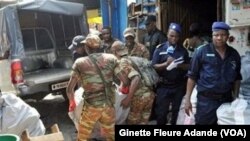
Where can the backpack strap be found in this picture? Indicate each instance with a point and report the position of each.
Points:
(107, 88)
(134, 65)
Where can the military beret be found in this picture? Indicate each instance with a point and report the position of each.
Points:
(220, 26)
(176, 27)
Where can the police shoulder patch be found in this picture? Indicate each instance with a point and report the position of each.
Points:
(160, 45)
(201, 46)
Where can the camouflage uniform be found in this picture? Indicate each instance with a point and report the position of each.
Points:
(141, 103)
(134, 48)
(97, 105)
(105, 47)
(139, 50)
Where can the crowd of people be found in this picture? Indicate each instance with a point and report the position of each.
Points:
(102, 67)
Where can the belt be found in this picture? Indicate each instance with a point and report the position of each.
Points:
(95, 104)
(89, 94)
(97, 99)
(214, 95)
(166, 81)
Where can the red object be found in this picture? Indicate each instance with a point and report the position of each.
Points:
(72, 105)
(16, 71)
(124, 90)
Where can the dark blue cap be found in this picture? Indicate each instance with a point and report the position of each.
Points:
(76, 42)
(176, 27)
(220, 26)
(149, 19)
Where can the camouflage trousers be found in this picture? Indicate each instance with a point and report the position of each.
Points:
(90, 116)
(140, 108)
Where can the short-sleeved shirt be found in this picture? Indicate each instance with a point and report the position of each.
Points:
(211, 72)
(161, 54)
(86, 71)
(139, 50)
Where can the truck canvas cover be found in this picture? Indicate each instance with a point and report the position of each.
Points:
(10, 33)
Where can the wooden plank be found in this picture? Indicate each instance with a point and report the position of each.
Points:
(56, 135)
(49, 137)
(55, 129)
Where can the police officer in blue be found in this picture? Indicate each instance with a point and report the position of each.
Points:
(170, 60)
(215, 69)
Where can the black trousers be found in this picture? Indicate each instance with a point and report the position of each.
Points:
(166, 97)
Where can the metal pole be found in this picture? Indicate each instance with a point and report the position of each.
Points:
(110, 10)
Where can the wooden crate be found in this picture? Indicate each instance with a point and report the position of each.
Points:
(55, 135)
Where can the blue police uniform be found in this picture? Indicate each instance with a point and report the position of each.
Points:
(172, 85)
(216, 74)
(215, 78)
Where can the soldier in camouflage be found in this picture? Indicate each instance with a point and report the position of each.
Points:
(98, 95)
(107, 40)
(139, 97)
(134, 48)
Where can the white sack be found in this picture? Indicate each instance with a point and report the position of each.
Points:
(76, 114)
(121, 114)
(17, 116)
(183, 118)
(237, 112)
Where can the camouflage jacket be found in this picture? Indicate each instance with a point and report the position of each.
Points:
(125, 69)
(105, 47)
(85, 70)
(139, 50)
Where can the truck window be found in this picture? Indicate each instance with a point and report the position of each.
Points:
(29, 40)
(65, 28)
(41, 42)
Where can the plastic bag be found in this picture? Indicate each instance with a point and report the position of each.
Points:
(121, 113)
(189, 120)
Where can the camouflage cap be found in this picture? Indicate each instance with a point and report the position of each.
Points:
(120, 48)
(129, 32)
(92, 41)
